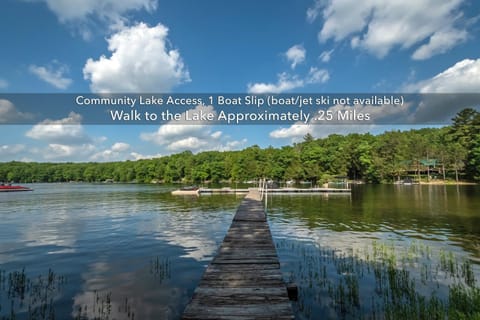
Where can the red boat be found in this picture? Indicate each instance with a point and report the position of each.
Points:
(10, 188)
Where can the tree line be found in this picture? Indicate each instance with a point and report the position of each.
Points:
(450, 152)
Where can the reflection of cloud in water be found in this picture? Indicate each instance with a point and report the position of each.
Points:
(348, 240)
(57, 235)
(197, 246)
(199, 233)
(111, 233)
(347, 243)
(110, 294)
(60, 232)
(323, 237)
(182, 237)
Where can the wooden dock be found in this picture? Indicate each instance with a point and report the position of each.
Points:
(199, 191)
(244, 280)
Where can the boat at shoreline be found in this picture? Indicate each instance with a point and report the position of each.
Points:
(10, 188)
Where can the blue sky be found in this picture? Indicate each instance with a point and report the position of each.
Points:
(306, 46)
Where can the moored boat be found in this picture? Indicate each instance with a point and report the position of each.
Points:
(10, 188)
(187, 191)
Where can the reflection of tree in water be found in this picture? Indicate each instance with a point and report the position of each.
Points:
(33, 297)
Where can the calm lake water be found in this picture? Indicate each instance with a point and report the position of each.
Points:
(86, 251)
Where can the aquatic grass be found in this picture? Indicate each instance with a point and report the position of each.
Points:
(102, 306)
(382, 281)
(467, 273)
(33, 296)
(464, 302)
(160, 268)
(26, 297)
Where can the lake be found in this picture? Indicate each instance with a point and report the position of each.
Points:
(112, 251)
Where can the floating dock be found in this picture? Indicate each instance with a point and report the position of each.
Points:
(306, 190)
(200, 191)
(243, 281)
(196, 192)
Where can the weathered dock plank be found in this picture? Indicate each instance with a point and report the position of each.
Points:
(243, 281)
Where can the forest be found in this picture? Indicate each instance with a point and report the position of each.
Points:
(447, 153)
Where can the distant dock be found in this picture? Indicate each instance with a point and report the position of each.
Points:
(244, 280)
(306, 190)
(199, 191)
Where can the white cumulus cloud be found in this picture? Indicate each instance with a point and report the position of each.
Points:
(116, 152)
(53, 74)
(443, 96)
(11, 149)
(119, 151)
(326, 56)
(313, 12)
(141, 61)
(284, 83)
(120, 147)
(440, 42)
(379, 26)
(445, 93)
(296, 55)
(139, 156)
(60, 152)
(197, 136)
(188, 143)
(65, 131)
(316, 75)
(216, 134)
(386, 113)
(463, 76)
(295, 131)
(10, 114)
(57, 151)
(287, 82)
(74, 10)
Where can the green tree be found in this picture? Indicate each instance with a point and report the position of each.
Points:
(465, 131)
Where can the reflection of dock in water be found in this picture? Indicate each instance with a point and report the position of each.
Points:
(183, 192)
(243, 281)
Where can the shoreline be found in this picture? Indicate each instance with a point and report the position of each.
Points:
(176, 183)
(451, 183)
